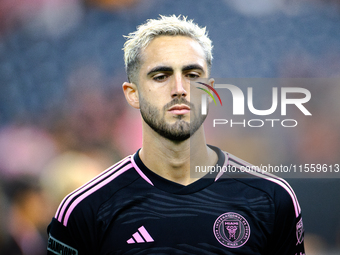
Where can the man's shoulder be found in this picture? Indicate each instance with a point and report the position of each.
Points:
(278, 189)
(87, 198)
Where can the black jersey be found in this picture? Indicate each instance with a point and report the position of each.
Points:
(128, 209)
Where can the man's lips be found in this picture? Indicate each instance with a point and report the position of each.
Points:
(179, 109)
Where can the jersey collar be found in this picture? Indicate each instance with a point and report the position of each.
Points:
(173, 187)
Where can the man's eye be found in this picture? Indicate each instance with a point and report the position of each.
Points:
(192, 76)
(160, 77)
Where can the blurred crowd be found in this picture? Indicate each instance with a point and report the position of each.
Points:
(64, 119)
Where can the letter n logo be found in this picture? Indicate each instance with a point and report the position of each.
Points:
(204, 100)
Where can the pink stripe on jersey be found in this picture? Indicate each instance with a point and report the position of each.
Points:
(224, 164)
(63, 205)
(92, 190)
(140, 172)
(279, 182)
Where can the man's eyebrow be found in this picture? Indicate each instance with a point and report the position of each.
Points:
(170, 69)
(192, 67)
(160, 69)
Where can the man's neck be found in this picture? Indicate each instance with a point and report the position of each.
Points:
(172, 160)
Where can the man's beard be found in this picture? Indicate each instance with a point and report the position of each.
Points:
(178, 131)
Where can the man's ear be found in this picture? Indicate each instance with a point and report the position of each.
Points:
(131, 94)
(211, 82)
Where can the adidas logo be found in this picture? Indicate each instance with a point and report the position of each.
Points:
(141, 236)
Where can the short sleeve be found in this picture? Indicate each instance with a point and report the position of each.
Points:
(288, 235)
(59, 240)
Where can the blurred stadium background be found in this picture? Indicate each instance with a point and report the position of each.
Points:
(63, 118)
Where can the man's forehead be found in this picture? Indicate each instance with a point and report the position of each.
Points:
(168, 51)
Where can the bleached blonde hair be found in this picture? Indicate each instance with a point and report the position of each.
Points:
(166, 25)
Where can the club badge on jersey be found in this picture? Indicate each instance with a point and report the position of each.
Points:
(231, 230)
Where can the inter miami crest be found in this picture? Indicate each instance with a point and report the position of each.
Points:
(231, 230)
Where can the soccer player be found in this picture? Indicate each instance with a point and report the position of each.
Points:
(148, 203)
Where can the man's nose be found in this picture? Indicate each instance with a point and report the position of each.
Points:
(179, 87)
